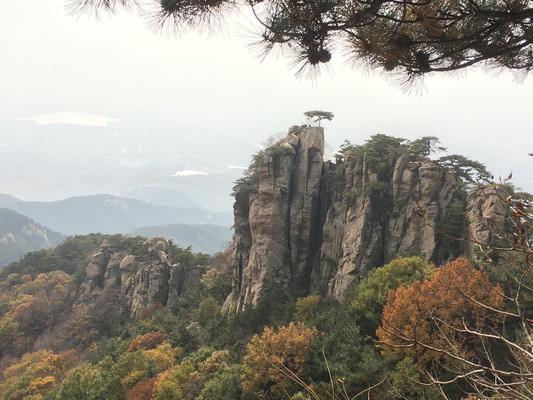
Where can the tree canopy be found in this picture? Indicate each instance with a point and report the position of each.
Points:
(269, 356)
(318, 116)
(371, 294)
(469, 170)
(412, 37)
(437, 311)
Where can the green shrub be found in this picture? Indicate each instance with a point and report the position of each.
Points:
(350, 198)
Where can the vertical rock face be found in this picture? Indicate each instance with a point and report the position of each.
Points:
(148, 282)
(486, 216)
(417, 185)
(276, 232)
(143, 280)
(316, 227)
(376, 221)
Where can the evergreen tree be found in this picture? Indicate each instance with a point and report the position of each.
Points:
(410, 37)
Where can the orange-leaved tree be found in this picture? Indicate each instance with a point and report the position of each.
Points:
(274, 356)
(441, 322)
(491, 359)
(142, 390)
(148, 341)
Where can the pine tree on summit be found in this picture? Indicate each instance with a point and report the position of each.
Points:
(318, 116)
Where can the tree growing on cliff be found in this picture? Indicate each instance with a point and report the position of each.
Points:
(318, 116)
(468, 170)
(427, 145)
(409, 37)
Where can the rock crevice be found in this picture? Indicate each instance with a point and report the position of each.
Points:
(143, 280)
(315, 226)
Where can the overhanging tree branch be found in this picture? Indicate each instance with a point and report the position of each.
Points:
(410, 37)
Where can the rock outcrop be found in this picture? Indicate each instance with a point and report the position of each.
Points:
(316, 227)
(486, 218)
(398, 217)
(276, 225)
(144, 280)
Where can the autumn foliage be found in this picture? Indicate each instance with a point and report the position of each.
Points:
(438, 313)
(60, 341)
(148, 341)
(29, 308)
(36, 374)
(143, 390)
(270, 356)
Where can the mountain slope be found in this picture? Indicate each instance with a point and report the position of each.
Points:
(20, 235)
(108, 214)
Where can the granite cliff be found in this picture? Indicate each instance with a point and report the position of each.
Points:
(316, 226)
(144, 277)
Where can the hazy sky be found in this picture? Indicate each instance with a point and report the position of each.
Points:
(117, 75)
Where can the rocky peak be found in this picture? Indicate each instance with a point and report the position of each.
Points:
(276, 223)
(145, 278)
(316, 227)
(375, 220)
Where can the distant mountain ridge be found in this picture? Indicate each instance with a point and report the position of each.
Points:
(202, 238)
(20, 235)
(105, 213)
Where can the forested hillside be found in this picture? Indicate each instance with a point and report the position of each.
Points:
(113, 317)
(20, 235)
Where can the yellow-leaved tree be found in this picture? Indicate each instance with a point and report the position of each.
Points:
(272, 357)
